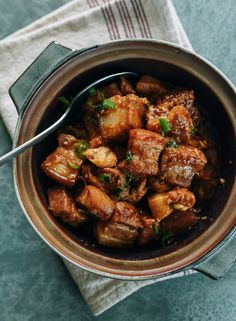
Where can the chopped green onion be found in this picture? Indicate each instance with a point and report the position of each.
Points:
(104, 178)
(81, 147)
(164, 236)
(65, 102)
(118, 191)
(107, 103)
(102, 104)
(92, 91)
(192, 128)
(167, 236)
(156, 229)
(164, 126)
(172, 143)
(71, 165)
(129, 156)
(127, 181)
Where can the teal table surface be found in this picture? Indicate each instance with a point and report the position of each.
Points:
(34, 284)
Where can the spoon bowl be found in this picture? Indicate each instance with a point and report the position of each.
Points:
(75, 102)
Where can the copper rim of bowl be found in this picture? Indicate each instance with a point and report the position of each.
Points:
(37, 213)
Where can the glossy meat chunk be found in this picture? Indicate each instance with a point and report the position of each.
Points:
(126, 87)
(111, 90)
(116, 123)
(62, 205)
(115, 234)
(178, 118)
(162, 204)
(184, 97)
(198, 142)
(125, 213)
(145, 148)
(146, 233)
(178, 222)
(179, 165)
(181, 124)
(101, 156)
(153, 114)
(67, 141)
(96, 202)
(96, 142)
(121, 230)
(186, 112)
(206, 180)
(62, 164)
(148, 86)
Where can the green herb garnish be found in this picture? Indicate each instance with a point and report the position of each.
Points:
(64, 101)
(102, 105)
(163, 235)
(129, 156)
(127, 181)
(120, 190)
(80, 147)
(92, 91)
(71, 165)
(164, 126)
(107, 103)
(104, 178)
(172, 143)
(192, 128)
(156, 229)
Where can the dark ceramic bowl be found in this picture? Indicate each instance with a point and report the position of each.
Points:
(210, 247)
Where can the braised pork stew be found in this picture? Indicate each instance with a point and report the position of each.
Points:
(137, 168)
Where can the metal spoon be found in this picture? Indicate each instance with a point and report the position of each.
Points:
(78, 98)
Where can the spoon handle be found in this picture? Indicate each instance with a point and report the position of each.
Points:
(31, 142)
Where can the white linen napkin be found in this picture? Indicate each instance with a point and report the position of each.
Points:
(79, 24)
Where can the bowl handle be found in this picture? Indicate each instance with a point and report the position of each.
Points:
(53, 56)
(217, 264)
